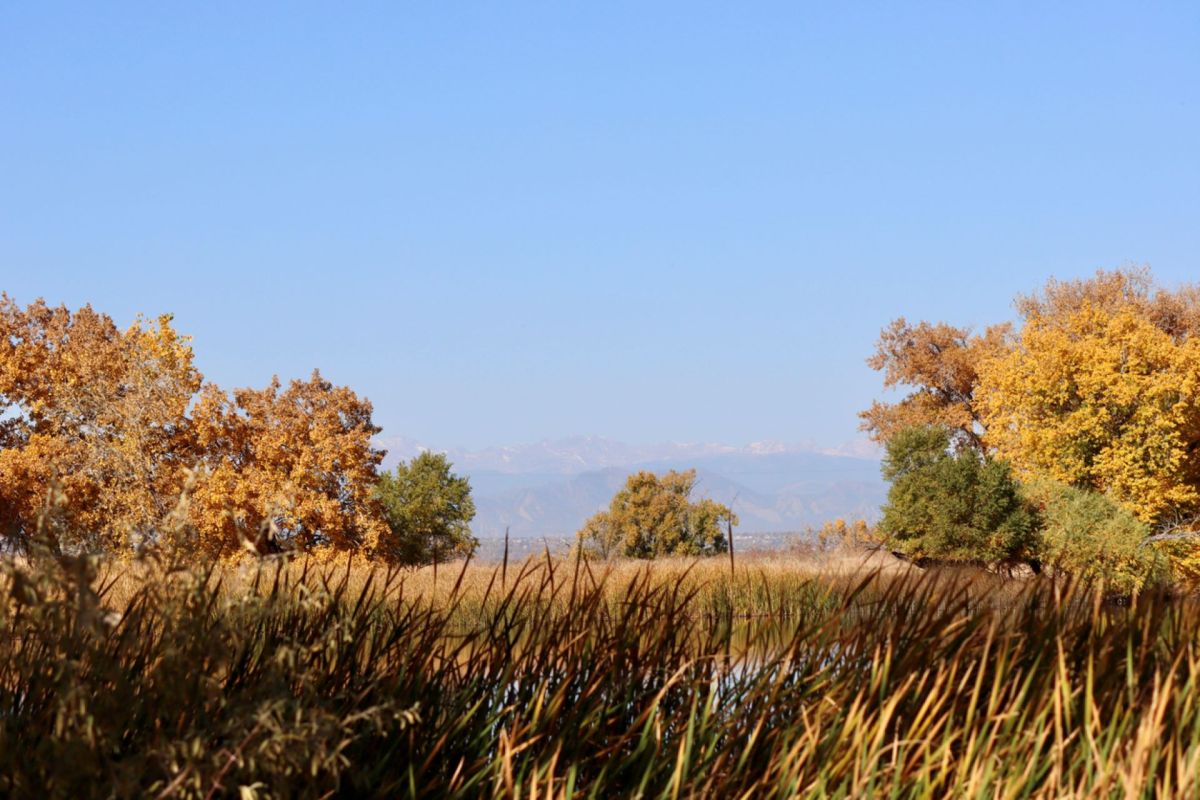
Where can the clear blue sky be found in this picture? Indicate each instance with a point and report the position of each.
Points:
(648, 221)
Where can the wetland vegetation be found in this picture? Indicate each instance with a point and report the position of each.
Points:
(564, 678)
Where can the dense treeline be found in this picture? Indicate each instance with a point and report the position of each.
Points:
(1072, 437)
(106, 433)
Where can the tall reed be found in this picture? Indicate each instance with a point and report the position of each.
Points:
(558, 679)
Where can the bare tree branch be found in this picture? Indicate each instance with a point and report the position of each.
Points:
(1169, 537)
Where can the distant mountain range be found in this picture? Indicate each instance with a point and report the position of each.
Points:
(549, 488)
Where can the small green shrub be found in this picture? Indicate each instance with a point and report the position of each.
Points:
(1089, 536)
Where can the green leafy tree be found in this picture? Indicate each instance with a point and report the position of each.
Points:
(655, 516)
(953, 506)
(428, 511)
(1091, 536)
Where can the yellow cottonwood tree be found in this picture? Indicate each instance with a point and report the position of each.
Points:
(1100, 397)
(96, 436)
(97, 413)
(299, 458)
(1098, 387)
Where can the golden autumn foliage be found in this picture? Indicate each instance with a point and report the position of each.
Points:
(98, 430)
(1098, 387)
(941, 362)
(299, 459)
(838, 534)
(1101, 399)
(96, 412)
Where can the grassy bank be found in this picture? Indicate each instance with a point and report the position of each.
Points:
(552, 678)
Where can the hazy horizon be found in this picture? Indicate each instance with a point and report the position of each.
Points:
(550, 488)
(404, 447)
